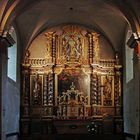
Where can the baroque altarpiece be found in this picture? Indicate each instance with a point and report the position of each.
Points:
(72, 81)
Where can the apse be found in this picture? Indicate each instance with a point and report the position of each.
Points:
(71, 75)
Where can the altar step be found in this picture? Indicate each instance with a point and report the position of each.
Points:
(74, 137)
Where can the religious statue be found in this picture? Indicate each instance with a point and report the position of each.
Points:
(107, 90)
(71, 47)
(36, 89)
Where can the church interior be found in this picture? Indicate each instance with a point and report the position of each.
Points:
(69, 70)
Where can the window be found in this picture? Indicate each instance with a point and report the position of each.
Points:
(129, 59)
(12, 57)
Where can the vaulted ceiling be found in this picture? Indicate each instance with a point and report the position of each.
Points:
(108, 17)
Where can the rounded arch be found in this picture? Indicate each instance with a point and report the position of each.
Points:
(27, 5)
(39, 44)
(127, 12)
(5, 18)
(20, 7)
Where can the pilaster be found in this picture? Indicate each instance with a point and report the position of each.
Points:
(134, 42)
(137, 87)
(136, 61)
(3, 74)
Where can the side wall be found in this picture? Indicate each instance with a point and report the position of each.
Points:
(11, 105)
(130, 94)
(11, 99)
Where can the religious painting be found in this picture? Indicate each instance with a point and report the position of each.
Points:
(74, 77)
(108, 90)
(36, 88)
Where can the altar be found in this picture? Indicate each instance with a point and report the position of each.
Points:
(72, 126)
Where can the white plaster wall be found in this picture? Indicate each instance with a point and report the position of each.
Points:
(129, 105)
(12, 106)
(137, 93)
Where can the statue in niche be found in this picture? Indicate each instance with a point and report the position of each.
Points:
(71, 46)
(107, 90)
(36, 89)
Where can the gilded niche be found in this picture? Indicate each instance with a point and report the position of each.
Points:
(108, 90)
(71, 46)
(36, 89)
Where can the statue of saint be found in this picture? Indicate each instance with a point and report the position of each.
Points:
(107, 88)
(37, 89)
(72, 47)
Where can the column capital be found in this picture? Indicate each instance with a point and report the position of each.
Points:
(136, 56)
(134, 43)
(6, 41)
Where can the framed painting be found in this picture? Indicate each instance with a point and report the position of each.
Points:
(73, 76)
